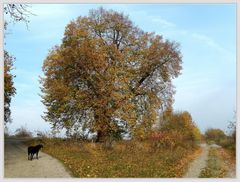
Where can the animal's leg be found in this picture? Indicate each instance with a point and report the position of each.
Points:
(31, 156)
(37, 155)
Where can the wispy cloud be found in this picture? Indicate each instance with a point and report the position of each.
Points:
(199, 41)
(163, 22)
(210, 42)
(156, 20)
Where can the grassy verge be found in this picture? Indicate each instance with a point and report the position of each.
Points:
(215, 165)
(229, 159)
(127, 159)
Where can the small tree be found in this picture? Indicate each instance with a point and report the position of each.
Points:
(214, 135)
(231, 143)
(23, 132)
(176, 129)
(232, 130)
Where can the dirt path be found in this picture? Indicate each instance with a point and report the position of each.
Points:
(16, 164)
(199, 163)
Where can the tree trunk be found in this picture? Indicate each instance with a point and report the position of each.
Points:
(99, 137)
(104, 131)
(105, 138)
(109, 142)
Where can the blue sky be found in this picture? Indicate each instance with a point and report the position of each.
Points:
(207, 35)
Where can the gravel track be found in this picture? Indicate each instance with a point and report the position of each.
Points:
(198, 164)
(16, 164)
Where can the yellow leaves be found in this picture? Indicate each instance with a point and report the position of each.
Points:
(178, 129)
(9, 89)
(110, 66)
(116, 95)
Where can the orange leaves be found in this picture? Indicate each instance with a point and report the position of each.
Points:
(176, 129)
(166, 139)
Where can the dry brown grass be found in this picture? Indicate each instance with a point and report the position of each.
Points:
(220, 163)
(127, 159)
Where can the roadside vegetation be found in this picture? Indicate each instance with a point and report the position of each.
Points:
(165, 152)
(220, 164)
(215, 167)
(222, 156)
(126, 159)
(23, 132)
(227, 141)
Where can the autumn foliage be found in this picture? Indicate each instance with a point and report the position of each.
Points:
(9, 89)
(128, 159)
(214, 135)
(176, 129)
(108, 75)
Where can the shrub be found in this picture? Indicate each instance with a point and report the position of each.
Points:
(219, 137)
(229, 143)
(23, 132)
(215, 135)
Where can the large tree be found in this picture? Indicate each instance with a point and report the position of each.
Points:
(108, 73)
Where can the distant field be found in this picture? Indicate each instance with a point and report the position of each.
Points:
(127, 159)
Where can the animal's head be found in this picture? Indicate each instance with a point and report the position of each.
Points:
(41, 146)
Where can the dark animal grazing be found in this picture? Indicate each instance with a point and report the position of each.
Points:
(33, 150)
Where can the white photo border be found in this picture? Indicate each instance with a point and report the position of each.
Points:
(237, 2)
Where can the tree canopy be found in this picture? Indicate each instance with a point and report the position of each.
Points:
(108, 74)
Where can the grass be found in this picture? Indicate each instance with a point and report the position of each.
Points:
(229, 158)
(127, 159)
(215, 165)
